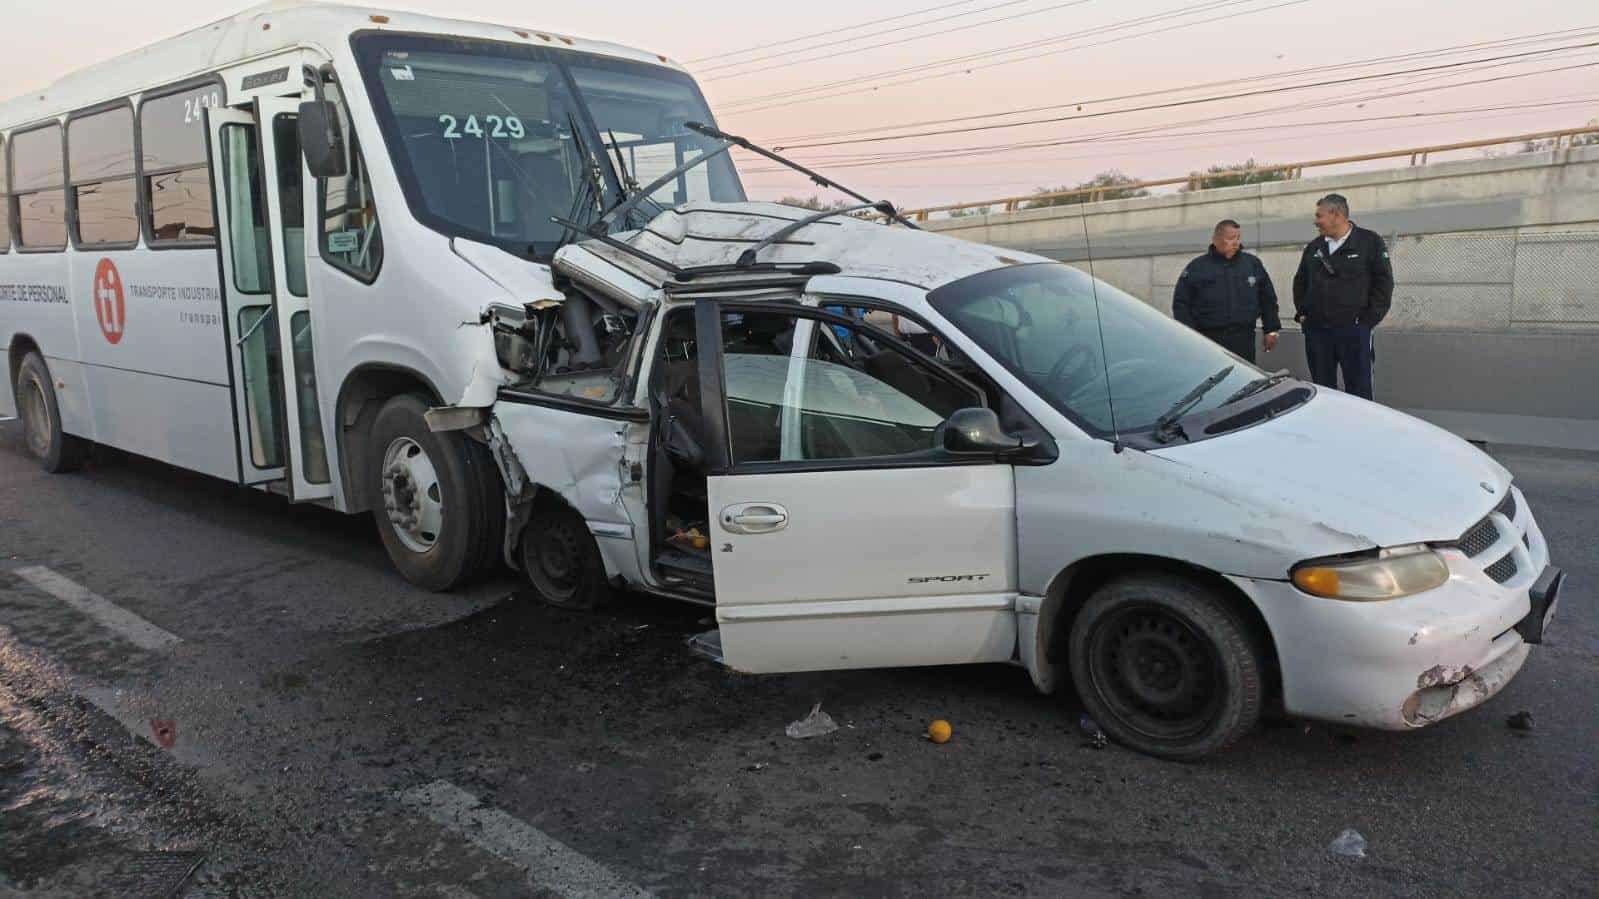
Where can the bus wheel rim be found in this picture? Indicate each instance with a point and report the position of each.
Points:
(412, 495)
(36, 415)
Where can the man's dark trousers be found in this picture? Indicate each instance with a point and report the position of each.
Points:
(1349, 348)
(1237, 339)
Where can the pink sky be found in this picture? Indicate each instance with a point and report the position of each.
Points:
(45, 41)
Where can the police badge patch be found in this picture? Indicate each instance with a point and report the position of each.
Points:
(1251, 280)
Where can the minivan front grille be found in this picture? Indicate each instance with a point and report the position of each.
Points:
(1504, 569)
(1477, 540)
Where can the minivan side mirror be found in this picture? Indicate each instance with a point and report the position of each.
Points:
(322, 139)
(977, 430)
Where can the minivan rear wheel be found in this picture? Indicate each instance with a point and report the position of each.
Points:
(1165, 667)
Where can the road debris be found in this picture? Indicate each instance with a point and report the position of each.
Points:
(1093, 737)
(1349, 844)
(817, 724)
(1520, 721)
(940, 731)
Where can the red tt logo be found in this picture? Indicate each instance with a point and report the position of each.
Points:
(109, 307)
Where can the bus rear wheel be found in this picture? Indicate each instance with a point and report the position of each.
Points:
(439, 506)
(57, 451)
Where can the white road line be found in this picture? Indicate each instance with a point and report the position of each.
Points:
(129, 626)
(549, 863)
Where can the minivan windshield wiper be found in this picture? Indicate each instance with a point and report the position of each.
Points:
(1258, 385)
(621, 210)
(1163, 424)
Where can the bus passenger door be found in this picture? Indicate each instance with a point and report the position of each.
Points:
(244, 244)
(285, 180)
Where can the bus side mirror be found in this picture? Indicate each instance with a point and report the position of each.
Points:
(322, 140)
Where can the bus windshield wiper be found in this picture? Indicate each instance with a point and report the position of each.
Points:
(1163, 424)
(1257, 385)
(747, 258)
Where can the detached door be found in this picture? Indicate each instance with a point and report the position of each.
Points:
(843, 536)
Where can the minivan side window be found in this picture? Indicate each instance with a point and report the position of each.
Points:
(837, 402)
(350, 237)
(5, 200)
(176, 176)
(38, 195)
(100, 163)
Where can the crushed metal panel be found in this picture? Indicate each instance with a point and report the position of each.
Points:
(583, 459)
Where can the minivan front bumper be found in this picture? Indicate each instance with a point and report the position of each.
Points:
(1407, 663)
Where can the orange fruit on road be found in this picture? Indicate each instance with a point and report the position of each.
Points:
(940, 731)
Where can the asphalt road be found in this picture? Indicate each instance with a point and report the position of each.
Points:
(311, 725)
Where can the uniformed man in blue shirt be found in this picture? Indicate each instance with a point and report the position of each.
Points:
(1223, 293)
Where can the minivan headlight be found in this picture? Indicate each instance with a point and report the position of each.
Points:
(1393, 574)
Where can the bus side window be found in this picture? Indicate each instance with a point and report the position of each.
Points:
(5, 200)
(350, 237)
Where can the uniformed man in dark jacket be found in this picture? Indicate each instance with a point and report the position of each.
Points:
(1222, 293)
(1344, 287)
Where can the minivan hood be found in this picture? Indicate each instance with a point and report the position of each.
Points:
(1380, 476)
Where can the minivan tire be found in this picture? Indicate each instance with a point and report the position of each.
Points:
(35, 394)
(561, 557)
(436, 498)
(1165, 667)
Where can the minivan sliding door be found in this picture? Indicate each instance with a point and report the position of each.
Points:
(842, 534)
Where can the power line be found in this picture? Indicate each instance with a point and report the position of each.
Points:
(907, 40)
(1323, 103)
(1178, 12)
(862, 37)
(1518, 108)
(1173, 104)
(833, 31)
(1249, 79)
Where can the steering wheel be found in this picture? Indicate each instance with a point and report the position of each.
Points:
(1076, 355)
(1122, 372)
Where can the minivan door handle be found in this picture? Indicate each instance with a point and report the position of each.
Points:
(754, 518)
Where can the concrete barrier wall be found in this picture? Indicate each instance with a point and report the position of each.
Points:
(1494, 331)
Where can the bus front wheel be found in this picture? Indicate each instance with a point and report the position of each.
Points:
(439, 507)
(56, 450)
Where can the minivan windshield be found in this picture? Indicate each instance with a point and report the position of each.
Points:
(1042, 322)
(491, 140)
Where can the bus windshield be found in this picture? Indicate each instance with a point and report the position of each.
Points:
(492, 140)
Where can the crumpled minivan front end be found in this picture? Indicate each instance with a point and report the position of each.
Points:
(1410, 662)
(1396, 482)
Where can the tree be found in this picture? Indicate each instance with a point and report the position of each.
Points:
(970, 210)
(815, 203)
(1233, 175)
(1109, 184)
(1576, 140)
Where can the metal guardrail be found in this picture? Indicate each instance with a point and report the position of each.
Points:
(1293, 170)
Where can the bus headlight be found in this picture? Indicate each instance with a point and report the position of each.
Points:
(1394, 573)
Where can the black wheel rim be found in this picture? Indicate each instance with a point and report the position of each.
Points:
(1156, 672)
(554, 561)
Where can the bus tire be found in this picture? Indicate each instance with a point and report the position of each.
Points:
(1166, 667)
(438, 507)
(561, 557)
(58, 451)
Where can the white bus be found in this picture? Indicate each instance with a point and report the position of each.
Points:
(175, 282)
(404, 265)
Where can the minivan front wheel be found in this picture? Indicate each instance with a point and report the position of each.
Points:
(1165, 667)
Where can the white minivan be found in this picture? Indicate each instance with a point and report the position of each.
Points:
(502, 289)
(1072, 482)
